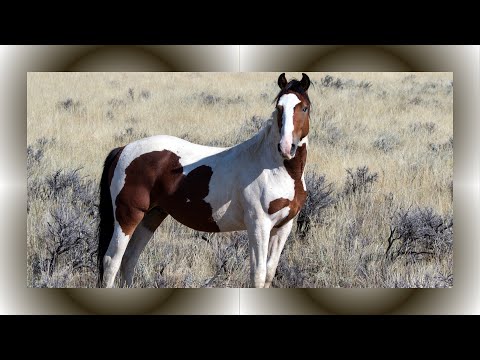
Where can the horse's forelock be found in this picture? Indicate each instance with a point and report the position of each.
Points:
(293, 86)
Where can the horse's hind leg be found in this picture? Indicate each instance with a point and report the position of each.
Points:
(127, 220)
(142, 235)
(278, 237)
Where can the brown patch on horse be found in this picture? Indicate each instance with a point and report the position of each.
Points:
(301, 123)
(295, 169)
(277, 205)
(156, 180)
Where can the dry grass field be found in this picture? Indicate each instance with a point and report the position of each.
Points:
(379, 174)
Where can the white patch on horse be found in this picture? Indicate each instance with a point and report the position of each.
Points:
(300, 143)
(303, 141)
(114, 254)
(288, 102)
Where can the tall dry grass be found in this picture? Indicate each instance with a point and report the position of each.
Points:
(379, 171)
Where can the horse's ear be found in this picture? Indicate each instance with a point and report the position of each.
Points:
(305, 82)
(282, 81)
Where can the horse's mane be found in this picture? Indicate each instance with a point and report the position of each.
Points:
(255, 142)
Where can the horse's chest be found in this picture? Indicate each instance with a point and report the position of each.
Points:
(279, 184)
(284, 208)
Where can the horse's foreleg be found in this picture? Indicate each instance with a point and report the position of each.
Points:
(142, 235)
(258, 234)
(278, 237)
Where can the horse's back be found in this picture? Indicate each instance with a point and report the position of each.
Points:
(183, 148)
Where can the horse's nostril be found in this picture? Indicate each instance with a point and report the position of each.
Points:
(279, 148)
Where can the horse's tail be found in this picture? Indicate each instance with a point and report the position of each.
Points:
(105, 209)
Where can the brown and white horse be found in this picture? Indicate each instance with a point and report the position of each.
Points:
(256, 186)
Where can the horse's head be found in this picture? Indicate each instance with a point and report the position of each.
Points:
(293, 113)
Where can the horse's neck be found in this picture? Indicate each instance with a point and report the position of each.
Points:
(264, 144)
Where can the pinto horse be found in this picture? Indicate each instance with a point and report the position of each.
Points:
(257, 186)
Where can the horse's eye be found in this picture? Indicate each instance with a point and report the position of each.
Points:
(305, 109)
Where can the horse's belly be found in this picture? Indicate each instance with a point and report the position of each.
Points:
(202, 216)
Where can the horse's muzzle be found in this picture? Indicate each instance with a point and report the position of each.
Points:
(287, 155)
